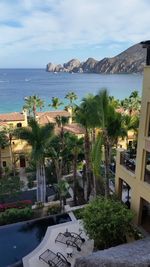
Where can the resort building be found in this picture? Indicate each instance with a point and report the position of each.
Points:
(17, 153)
(133, 170)
(14, 154)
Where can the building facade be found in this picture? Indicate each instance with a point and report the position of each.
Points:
(17, 153)
(133, 171)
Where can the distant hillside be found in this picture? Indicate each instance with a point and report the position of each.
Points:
(131, 60)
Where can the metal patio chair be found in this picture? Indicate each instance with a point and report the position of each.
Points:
(70, 239)
(54, 259)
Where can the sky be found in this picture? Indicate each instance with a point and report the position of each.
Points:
(35, 32)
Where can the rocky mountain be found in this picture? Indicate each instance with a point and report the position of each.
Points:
(131, 60)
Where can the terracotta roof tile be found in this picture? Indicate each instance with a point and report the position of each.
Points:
(15, 116)
(44, 119)
(54, 114)
(49, 116)
(74, 128)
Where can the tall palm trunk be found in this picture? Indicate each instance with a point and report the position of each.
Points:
(58, 168)
(41, 183)
(75, 177)
(106, 166)
(88, 163)
(11, 155)
(34, 111)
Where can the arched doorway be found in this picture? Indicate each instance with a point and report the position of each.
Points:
(22, 161)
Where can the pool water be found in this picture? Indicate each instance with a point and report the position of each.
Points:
(19, 239)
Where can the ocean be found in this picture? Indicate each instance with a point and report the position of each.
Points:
(15, 84)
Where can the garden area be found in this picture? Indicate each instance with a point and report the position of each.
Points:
(108, 222)
(83, 164)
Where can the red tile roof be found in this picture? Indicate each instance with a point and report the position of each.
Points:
(15, 116)
(74, 128)
(54, 114)
(49, 116)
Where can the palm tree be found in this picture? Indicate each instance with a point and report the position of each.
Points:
(10, 132)
(115, 102)
(3, 143)
(110, 123)
(62, 187)
(132, 104)
(75, 146)
(55, 152)
(130, 123)
(56, 103)
(32, 103)
(96, 158)
(38, 137)
(71, 96)
(86, 116)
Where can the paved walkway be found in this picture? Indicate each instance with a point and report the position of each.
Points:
(48, 242)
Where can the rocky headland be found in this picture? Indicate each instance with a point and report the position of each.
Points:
(131, 60)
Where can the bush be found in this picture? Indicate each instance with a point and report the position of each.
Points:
(31, 180)
(79, 213)
(15, 215)
(107, 221)
(19, 205)
(54, 209)
(39, 205)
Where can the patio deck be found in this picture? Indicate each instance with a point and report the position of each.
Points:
(32, 259)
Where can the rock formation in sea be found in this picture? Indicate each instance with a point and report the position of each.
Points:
(131, 60)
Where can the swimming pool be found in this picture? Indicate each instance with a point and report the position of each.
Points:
(19, 239)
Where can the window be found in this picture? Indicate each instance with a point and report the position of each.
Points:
(4, 163)
(19, 124)
(148, 120)
(147, 167)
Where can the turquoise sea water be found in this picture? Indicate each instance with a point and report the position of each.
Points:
(15, 84)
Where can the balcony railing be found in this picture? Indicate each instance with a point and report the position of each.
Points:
(147, 174)
(128, 161)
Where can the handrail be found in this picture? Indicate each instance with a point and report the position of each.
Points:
(127, 162)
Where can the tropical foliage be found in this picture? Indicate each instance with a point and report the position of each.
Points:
(15, 215)
(3, 143)
(107, 221)
(104, 119)
(9, 185)
(56, 103)
(32, 103)
(38, 137)
(62, 187)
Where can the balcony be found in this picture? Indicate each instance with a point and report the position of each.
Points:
(128, 160)
(147, 168)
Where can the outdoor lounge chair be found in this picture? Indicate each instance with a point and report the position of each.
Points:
(70, 239)
(53, 259)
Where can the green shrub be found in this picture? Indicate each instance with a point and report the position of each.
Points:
(54, 209)
(15, 215)
(107, 221)
(39, 205)
(79, 213)
(31, 181)
(135, 233)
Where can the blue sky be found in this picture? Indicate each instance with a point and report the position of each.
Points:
(35, 32)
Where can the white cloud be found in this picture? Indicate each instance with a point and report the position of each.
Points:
(62, 24)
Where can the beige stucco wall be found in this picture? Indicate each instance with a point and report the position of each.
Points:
(19, 147)
(139, 188)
